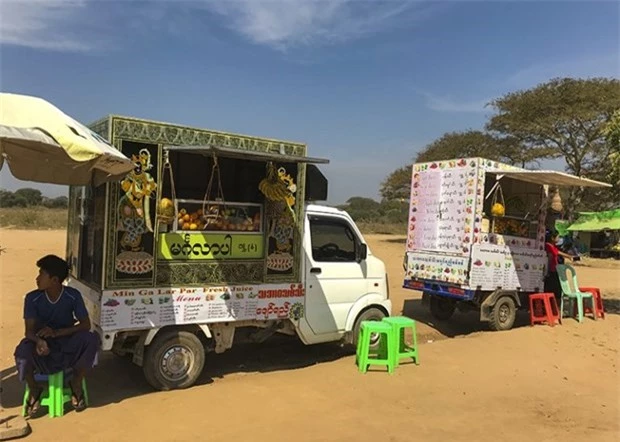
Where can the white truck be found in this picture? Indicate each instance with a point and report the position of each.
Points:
(168, 282)
(476, 236)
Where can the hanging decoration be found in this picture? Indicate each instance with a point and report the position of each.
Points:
(279, 186)
(135, 216)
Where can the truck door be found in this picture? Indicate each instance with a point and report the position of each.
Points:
(335, 277)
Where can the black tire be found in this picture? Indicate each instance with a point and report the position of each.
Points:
(371, 314)
(442, 308)
(503, 314)
(164, 373)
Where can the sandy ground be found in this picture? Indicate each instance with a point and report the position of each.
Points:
(530, 383)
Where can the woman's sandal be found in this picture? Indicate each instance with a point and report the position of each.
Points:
(78, 402)
(33, 405)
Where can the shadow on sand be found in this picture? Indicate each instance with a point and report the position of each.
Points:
(116, 379)
(465, 323)
(461, 323)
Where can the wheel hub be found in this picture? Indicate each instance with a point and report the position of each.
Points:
(176, 362)
(504, 312)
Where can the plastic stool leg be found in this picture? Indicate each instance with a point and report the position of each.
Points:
(25, 402)
(56, 381)
(85, 392)
(415, 344)
(52, 401)
(593, 300)
(391, 344)
(548, 312)
(363, 357)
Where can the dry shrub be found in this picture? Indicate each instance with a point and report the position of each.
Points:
(33, 218)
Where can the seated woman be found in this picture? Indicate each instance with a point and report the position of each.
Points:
(57, 333)
(552, 281)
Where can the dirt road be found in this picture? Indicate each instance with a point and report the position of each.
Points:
(538, 383)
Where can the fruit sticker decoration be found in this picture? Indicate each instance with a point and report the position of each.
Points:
(135, 216)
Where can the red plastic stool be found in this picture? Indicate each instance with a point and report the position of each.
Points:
(598, 302)
(544, 308)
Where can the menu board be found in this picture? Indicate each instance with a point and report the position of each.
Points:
(434, 266)
(442, 206)
(146, 308)
(500, 266)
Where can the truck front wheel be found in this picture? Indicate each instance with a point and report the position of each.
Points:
(372, 314)
(174, 360)
(503, 314)
(442, 308)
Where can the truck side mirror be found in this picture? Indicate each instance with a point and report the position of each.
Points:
(362, 252)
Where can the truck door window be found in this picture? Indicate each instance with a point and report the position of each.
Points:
(332, 240)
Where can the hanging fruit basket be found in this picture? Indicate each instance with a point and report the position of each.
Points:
(165, 206)
(213, 213)
(498, 206)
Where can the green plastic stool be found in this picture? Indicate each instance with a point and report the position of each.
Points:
(57, 394)
(386, 344)
(403, 349)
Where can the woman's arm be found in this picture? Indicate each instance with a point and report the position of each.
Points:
(565, 255)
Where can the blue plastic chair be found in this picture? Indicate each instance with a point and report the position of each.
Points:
(572, 293)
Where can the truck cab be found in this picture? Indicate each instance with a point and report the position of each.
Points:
(342, 277)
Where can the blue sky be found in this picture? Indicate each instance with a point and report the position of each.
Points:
(364, 83)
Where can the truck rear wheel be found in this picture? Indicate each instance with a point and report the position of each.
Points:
(503, 314)
(442, 308)
(372, 314)
(174, 360)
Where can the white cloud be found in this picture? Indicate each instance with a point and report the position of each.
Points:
(286, 23)
(68, 25)
(42, 24)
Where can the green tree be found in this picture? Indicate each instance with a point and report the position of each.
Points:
(10, 199)
(472, 143)
(397, 185)
(60, 202)
(33, 197)
(563, 118)
(362, 209)
(612, 132)
(608, 169)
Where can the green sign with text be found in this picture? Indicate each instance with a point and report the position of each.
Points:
(209, 246)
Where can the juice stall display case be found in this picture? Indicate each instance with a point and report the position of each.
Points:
(119, 238)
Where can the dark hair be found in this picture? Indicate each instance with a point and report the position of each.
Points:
(551, 234)
(54, 266)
